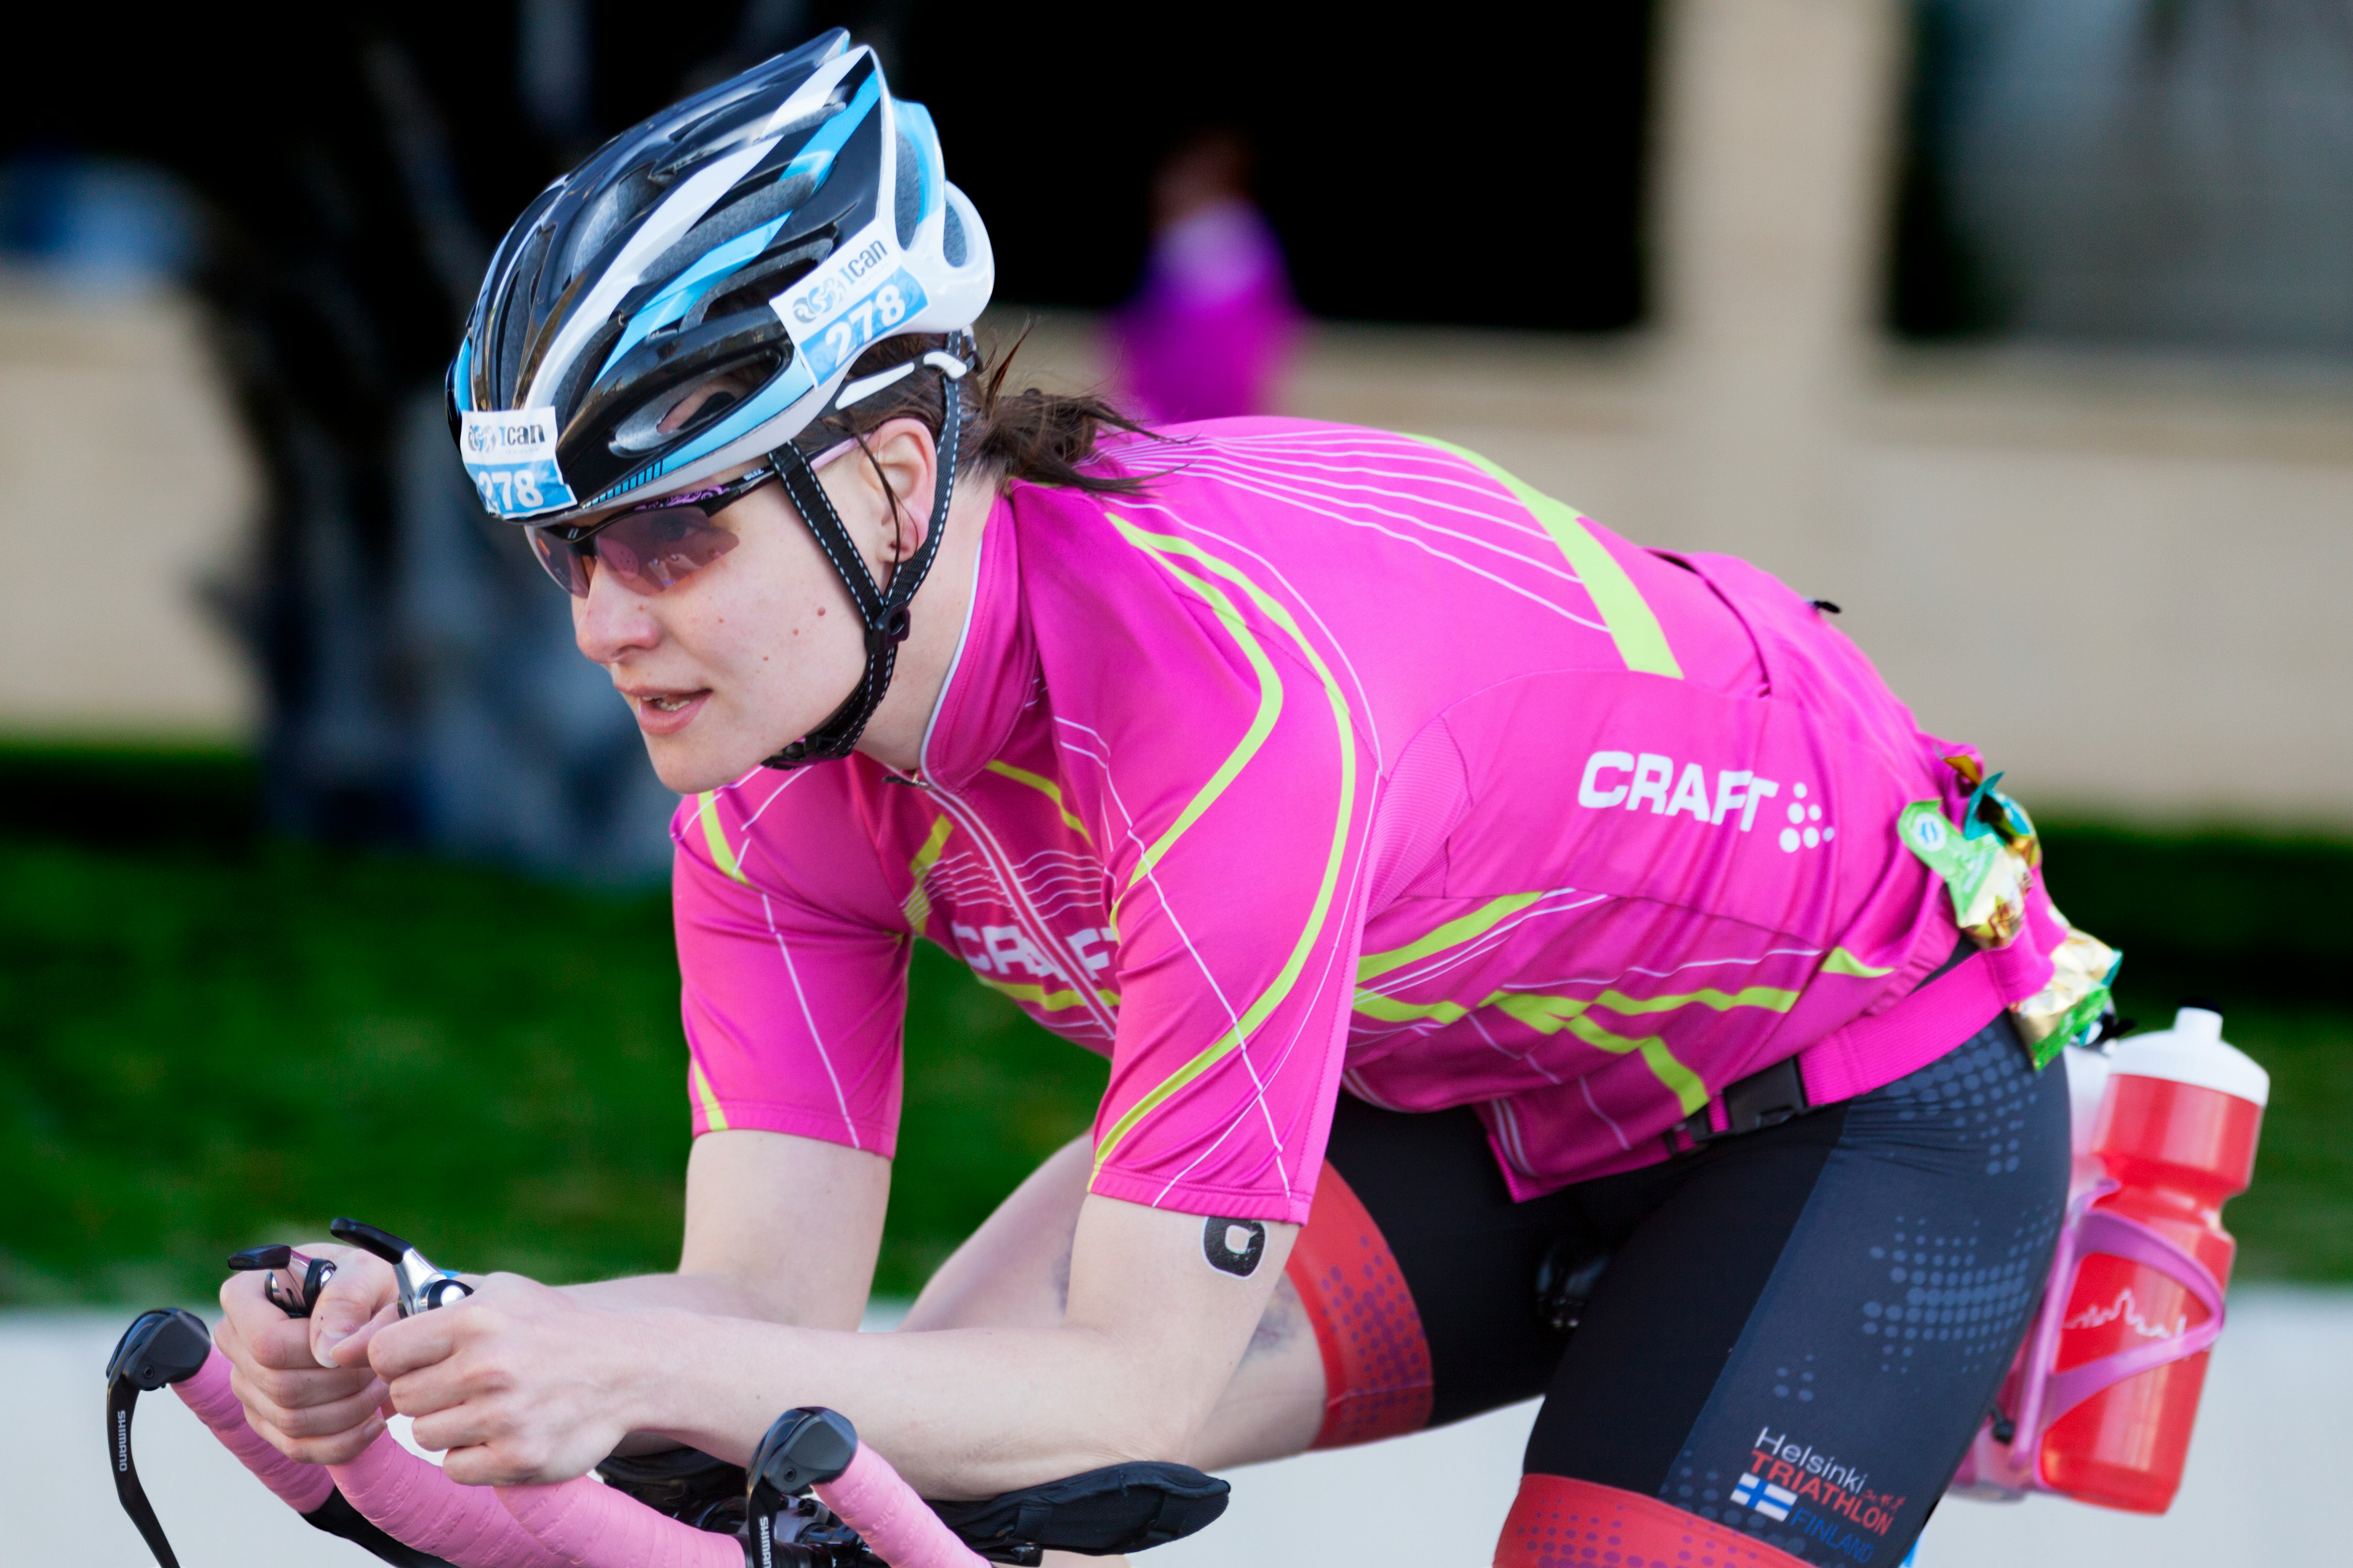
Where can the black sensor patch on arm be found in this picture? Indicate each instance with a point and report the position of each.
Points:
(1233, 1246)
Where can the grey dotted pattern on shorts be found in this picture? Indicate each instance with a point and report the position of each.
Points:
(1969, 1290)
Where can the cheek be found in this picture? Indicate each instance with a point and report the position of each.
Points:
(768, 616)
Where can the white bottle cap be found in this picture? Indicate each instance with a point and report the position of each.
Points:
(2193, 1051)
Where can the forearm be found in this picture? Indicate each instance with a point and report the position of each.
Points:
(962, 1413)
(778, 1229)
(710, 1294)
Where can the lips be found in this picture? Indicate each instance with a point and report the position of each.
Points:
(660, 712)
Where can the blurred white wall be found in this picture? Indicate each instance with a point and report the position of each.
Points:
(126, 486)
(2123, 578)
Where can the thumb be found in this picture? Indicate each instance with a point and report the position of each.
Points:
(351, 1350)
(351, 1300)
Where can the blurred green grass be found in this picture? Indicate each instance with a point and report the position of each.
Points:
(210, 1039)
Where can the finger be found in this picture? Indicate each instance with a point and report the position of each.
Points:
(226, 1339)
(439, 1387)
(261, 1333)
(353, 1351)
(363, 1286)
(410, 1345)
(340, 1448)
(455, 1431)
(496, 1464)
(275, 1392)
(331, 1418)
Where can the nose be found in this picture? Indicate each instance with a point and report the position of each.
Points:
(612, 621)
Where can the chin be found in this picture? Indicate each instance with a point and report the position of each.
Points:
(685, 768)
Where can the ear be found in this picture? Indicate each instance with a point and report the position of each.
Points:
(898, 470)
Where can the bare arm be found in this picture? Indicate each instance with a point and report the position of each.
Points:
(524, 1385)
(777, 1227)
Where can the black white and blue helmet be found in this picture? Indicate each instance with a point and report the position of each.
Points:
(772, 228)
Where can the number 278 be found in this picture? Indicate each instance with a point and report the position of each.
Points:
(503, 488)
(886, 307)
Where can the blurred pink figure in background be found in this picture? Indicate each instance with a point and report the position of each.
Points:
(1208, 334)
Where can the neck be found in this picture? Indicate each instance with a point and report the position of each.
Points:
(894, 736)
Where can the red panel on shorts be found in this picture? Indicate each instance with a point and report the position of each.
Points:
(1556, 1523)
(1376, 1380)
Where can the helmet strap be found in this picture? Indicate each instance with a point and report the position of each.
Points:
(883, 613)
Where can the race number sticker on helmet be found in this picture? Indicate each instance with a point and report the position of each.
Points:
(510, 454)
(830, 324)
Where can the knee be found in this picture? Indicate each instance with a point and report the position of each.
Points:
(1557, 1521)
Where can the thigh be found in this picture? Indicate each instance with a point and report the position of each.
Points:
(1800, 1341)
(1468, 1254)
(1015, 1270)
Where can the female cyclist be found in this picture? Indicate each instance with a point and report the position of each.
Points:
(1513, 978)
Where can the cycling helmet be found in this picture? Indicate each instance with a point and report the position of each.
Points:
(770, 229)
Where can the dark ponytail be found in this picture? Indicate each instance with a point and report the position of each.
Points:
(1041, 437)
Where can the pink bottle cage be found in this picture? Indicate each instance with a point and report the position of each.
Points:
(2044, 1395)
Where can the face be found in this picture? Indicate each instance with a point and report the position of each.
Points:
(728, 665)
(725, 668)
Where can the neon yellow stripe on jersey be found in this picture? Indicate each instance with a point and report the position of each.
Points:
(1842, 962)
(1550, 1015)
(1454, 933)
(919, 898)
(1642, 643)
(1771, 998)
(1553, 1014)
(1046, 1001)
(722, 856)
(1270, 687)
(1046, 788)
(1163, 547)
(713, 1118)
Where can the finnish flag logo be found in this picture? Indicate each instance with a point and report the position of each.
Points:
(1774, 1502)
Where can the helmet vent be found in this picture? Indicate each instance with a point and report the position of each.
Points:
(952, 239)
(908, 199)
(737, 218)
(641, 432)
(755, 285)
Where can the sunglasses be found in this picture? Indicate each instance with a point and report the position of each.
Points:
(649, 548)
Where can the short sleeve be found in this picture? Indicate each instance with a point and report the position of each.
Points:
(1238, 898)
(794, 967)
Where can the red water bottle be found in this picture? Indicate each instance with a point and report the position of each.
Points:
(2177, 1133)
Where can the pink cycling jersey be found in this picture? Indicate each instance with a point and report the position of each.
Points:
(1334, 758)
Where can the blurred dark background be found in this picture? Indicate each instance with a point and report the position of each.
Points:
(348, 171)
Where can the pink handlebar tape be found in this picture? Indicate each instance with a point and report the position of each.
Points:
(577, 1524)
(413, 1501)
(593, 1526)
(301, 1486)
(590, 1525)
(872, 1499)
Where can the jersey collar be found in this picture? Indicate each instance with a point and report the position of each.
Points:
(995, 670)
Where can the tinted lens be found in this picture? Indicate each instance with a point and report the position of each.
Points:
(650, 551)
(563, 563)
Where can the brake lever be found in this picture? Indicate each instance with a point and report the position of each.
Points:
(160, 1347)
(424, 1286)
(306, 1275)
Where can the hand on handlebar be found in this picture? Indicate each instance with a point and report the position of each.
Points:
(305, 1382)
(519, 1383)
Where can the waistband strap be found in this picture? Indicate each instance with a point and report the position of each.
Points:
(1862, 1056)
(1878, 1050)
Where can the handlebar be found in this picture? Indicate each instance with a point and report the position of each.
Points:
(579, 1523)
(409, 1513)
